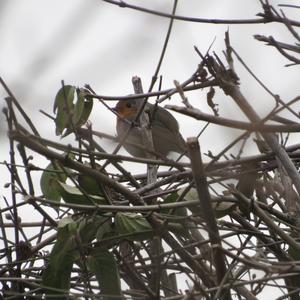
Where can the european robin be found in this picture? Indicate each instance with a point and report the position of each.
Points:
(164, 128)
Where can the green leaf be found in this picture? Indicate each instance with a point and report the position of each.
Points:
(221, 208)
(294, 253)
(65, 251)
(63, 106)
(79, 107)
(65, 222)
(83, 108)
(89, 227)
(176, 217)
(102, 263)
(191, 195)
(90, 185)
(58, 272)
(80, 112)
(71, 114)
(180, 211)
(72, 194)
(51, 174)
(135, 226)
(104, 229)
(109, 236)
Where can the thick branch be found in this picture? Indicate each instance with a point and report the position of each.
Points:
(270, 138)
(208, 212)
(199, 115)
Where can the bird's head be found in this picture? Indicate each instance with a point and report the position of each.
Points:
(126, 108)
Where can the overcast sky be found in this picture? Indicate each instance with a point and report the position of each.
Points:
(90, 41)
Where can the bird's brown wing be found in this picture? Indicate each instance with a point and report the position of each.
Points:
(163, 118)
(166, 141)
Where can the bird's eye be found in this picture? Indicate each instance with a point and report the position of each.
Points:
(128, 104)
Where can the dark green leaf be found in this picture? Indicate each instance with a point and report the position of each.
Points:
(172, 198)
(58, 271)
(83, 109)
(72, 194)
(223, 209)
(63, 106)
(88, 227)
(90, 185)
(48, 182)
(65, 222)
(74, 115)
(192, 195)
(78, 109)
(102, 263)
(134, 226)
(65, 251)
(104, 229)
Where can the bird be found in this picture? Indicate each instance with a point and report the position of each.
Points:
(164, 128)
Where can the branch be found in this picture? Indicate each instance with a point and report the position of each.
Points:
(123, 4)
(267, 220)
(208, 212)
(228, 83)
(167, 92)
(199, 115)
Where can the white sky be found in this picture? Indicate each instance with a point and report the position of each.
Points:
(44, 42)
